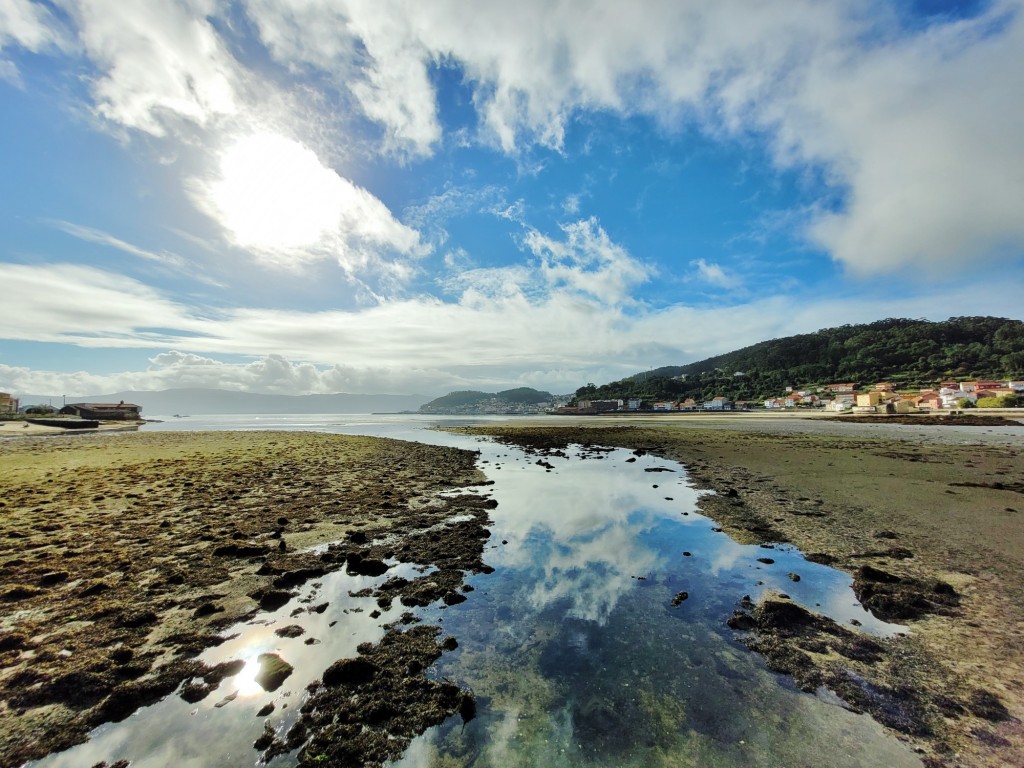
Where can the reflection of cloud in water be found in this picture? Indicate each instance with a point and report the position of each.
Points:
(727, 553)
(581, 528)
(591, 572)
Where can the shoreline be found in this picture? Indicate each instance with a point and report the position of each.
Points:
(128, 554)
(19, 428)
(904, 514)
(944, 500)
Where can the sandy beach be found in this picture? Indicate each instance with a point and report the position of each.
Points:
(126, 554)
(927, 519)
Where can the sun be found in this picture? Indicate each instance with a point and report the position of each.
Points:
(274, 194)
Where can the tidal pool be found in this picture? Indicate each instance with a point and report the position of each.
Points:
(599, 639)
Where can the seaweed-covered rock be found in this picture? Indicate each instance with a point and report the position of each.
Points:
(349, 672)
(273, 671)
(369, 708)
(902, 598)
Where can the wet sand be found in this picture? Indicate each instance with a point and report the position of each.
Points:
(124, 555)
(928, 520)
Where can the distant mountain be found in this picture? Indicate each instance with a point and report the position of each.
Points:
(466, 401)
(208, 401)
(905, 352)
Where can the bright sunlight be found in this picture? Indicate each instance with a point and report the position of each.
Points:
(275, 194)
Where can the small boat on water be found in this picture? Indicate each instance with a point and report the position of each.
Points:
(66, 423)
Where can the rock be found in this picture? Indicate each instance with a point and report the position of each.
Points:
(359, 566)
(680, 597)
(14, 594)
(266, 709)
(765, 560)
(273, 671)
(741, 621)
(290, 579)
(267, 738)
(271, 599)
(53, 577)
(239, 550)
(349, 672)
(894, 598)
(226, 700)
(195, 692)
(820, 557)
(292, 630)
(137, 619)
(782, 616)
(206, 609)
(793, 576)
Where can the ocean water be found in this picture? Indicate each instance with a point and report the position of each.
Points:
(573, 646)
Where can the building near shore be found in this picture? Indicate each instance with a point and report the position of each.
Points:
(599, 405)
(869, 399)
(8, 404)
(104, 411)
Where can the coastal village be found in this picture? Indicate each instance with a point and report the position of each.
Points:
(845, 397)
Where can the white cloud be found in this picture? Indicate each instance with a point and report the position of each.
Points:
(588, 263)
(28, 24)
(715, 274)
(916, 128)
(10, 74)
(514, 326)
(92, 235)
(160, 61)
(275, 198)
(376, 55)
(89, 307)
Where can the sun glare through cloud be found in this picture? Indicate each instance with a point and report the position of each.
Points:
(274, 193)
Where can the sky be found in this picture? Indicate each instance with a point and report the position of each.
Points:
(378, 196)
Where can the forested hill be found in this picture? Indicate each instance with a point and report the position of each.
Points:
(905, 352)
(467, 400)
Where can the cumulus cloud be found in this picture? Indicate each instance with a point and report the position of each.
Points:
(551, 325)
(914, 128)
(164, 69)
(588, 263)
(376, 55)
(277, 200)
(715, 274)
(158, 61)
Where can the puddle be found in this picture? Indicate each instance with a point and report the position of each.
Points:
(580, 647)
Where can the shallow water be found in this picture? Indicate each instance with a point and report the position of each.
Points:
(572, 646)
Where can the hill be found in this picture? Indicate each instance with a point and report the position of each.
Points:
(209, 401)
(471, 401)
(909, 353)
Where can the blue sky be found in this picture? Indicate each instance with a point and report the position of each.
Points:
(303, 196)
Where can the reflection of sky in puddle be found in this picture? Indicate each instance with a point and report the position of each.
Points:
(572, 645)
(174, 732)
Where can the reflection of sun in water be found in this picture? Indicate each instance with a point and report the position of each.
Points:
(245, 681)
(274, 193)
